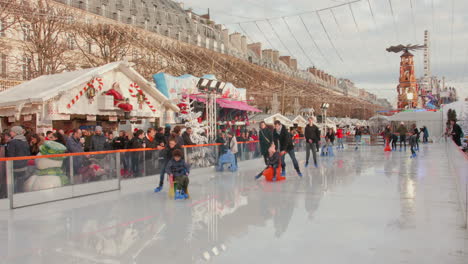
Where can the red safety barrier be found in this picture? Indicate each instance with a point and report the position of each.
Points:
(112, 151)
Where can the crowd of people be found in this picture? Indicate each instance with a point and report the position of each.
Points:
(19, 142)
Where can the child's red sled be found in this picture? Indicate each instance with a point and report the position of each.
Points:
(268, 173)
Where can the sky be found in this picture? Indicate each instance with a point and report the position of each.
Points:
(356, 49)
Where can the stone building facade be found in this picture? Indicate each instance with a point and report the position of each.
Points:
(169, 20)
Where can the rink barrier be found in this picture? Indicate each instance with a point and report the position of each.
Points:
(458, 164)
(64, 176)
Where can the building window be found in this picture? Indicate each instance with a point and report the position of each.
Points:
(2, 30)
(26, 68)
(133, 19)
(90, 46)
(3, 64)
(103, 10)
(26, 32)
(70, 42)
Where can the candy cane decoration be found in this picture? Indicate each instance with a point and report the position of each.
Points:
(83, 91)
(135, 90)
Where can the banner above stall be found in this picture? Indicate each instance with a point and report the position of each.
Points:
(175, 88)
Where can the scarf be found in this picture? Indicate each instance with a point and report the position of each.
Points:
(150, 138)
(20, 137)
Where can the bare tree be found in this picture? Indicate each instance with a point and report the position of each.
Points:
(8, 19)
(149, 58)
(44, 29)
(103, 43)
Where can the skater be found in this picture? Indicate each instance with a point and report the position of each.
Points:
(339, 135)
(425, 135)
(402, 131)
(394, 141)
(331, 133)
(231, 144)
(179, 170)
(266, 140)
(327, 149)
(357, 137)
(164, 157)
(417, 133)
(412, 142)
(312, 135)
(273, 162)
(283, 143)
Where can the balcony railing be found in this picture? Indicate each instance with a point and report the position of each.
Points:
(7, 84)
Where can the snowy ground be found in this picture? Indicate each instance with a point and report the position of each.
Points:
(358, 207)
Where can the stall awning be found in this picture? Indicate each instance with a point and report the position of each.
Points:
(226, 103)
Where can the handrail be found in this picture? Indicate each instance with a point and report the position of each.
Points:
(111, 151)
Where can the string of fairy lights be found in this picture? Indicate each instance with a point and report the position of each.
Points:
(325, 51)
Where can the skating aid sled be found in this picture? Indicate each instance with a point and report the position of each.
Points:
(268, 173)
(173, 188)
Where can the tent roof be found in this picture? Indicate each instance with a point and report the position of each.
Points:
(45, 87)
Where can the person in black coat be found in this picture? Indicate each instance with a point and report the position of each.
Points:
(283, 143)
(150, 155)
(165, 157)
(312, 136)
(137, 142)
(120, 142)
(160, 139)
(456, 133)
(186, 136)
(266, 139)
(18, 147)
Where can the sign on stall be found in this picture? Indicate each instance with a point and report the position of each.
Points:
(11, 119)
(91, 118)
(27, 118)
(112, 119)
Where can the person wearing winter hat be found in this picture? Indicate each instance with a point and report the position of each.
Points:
(98, 141)
(18, 147)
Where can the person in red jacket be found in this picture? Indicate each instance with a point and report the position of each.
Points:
(339, 135)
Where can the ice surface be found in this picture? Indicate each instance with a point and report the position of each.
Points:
(362, 206)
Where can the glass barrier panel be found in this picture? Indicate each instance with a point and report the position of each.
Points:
(40, 174)
(94, 168)
(250, 150)
(3, 180)
(153, 162)
(201, 157)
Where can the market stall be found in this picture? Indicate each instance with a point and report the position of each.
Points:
(377, 123)
(108, 96)
(432, 120)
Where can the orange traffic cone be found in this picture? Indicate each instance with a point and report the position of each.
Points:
(387, 146)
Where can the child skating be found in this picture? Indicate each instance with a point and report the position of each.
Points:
(327, 148)
(273, 163)
(178, 170)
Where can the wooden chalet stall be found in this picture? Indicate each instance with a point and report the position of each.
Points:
(109, 96)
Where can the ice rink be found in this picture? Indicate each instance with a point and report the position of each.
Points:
(362, 206)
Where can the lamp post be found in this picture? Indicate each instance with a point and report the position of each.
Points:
(324, 107)
(212, 89)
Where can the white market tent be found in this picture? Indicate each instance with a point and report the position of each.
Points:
(284, 120)
(300, 121)
(432, 120)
